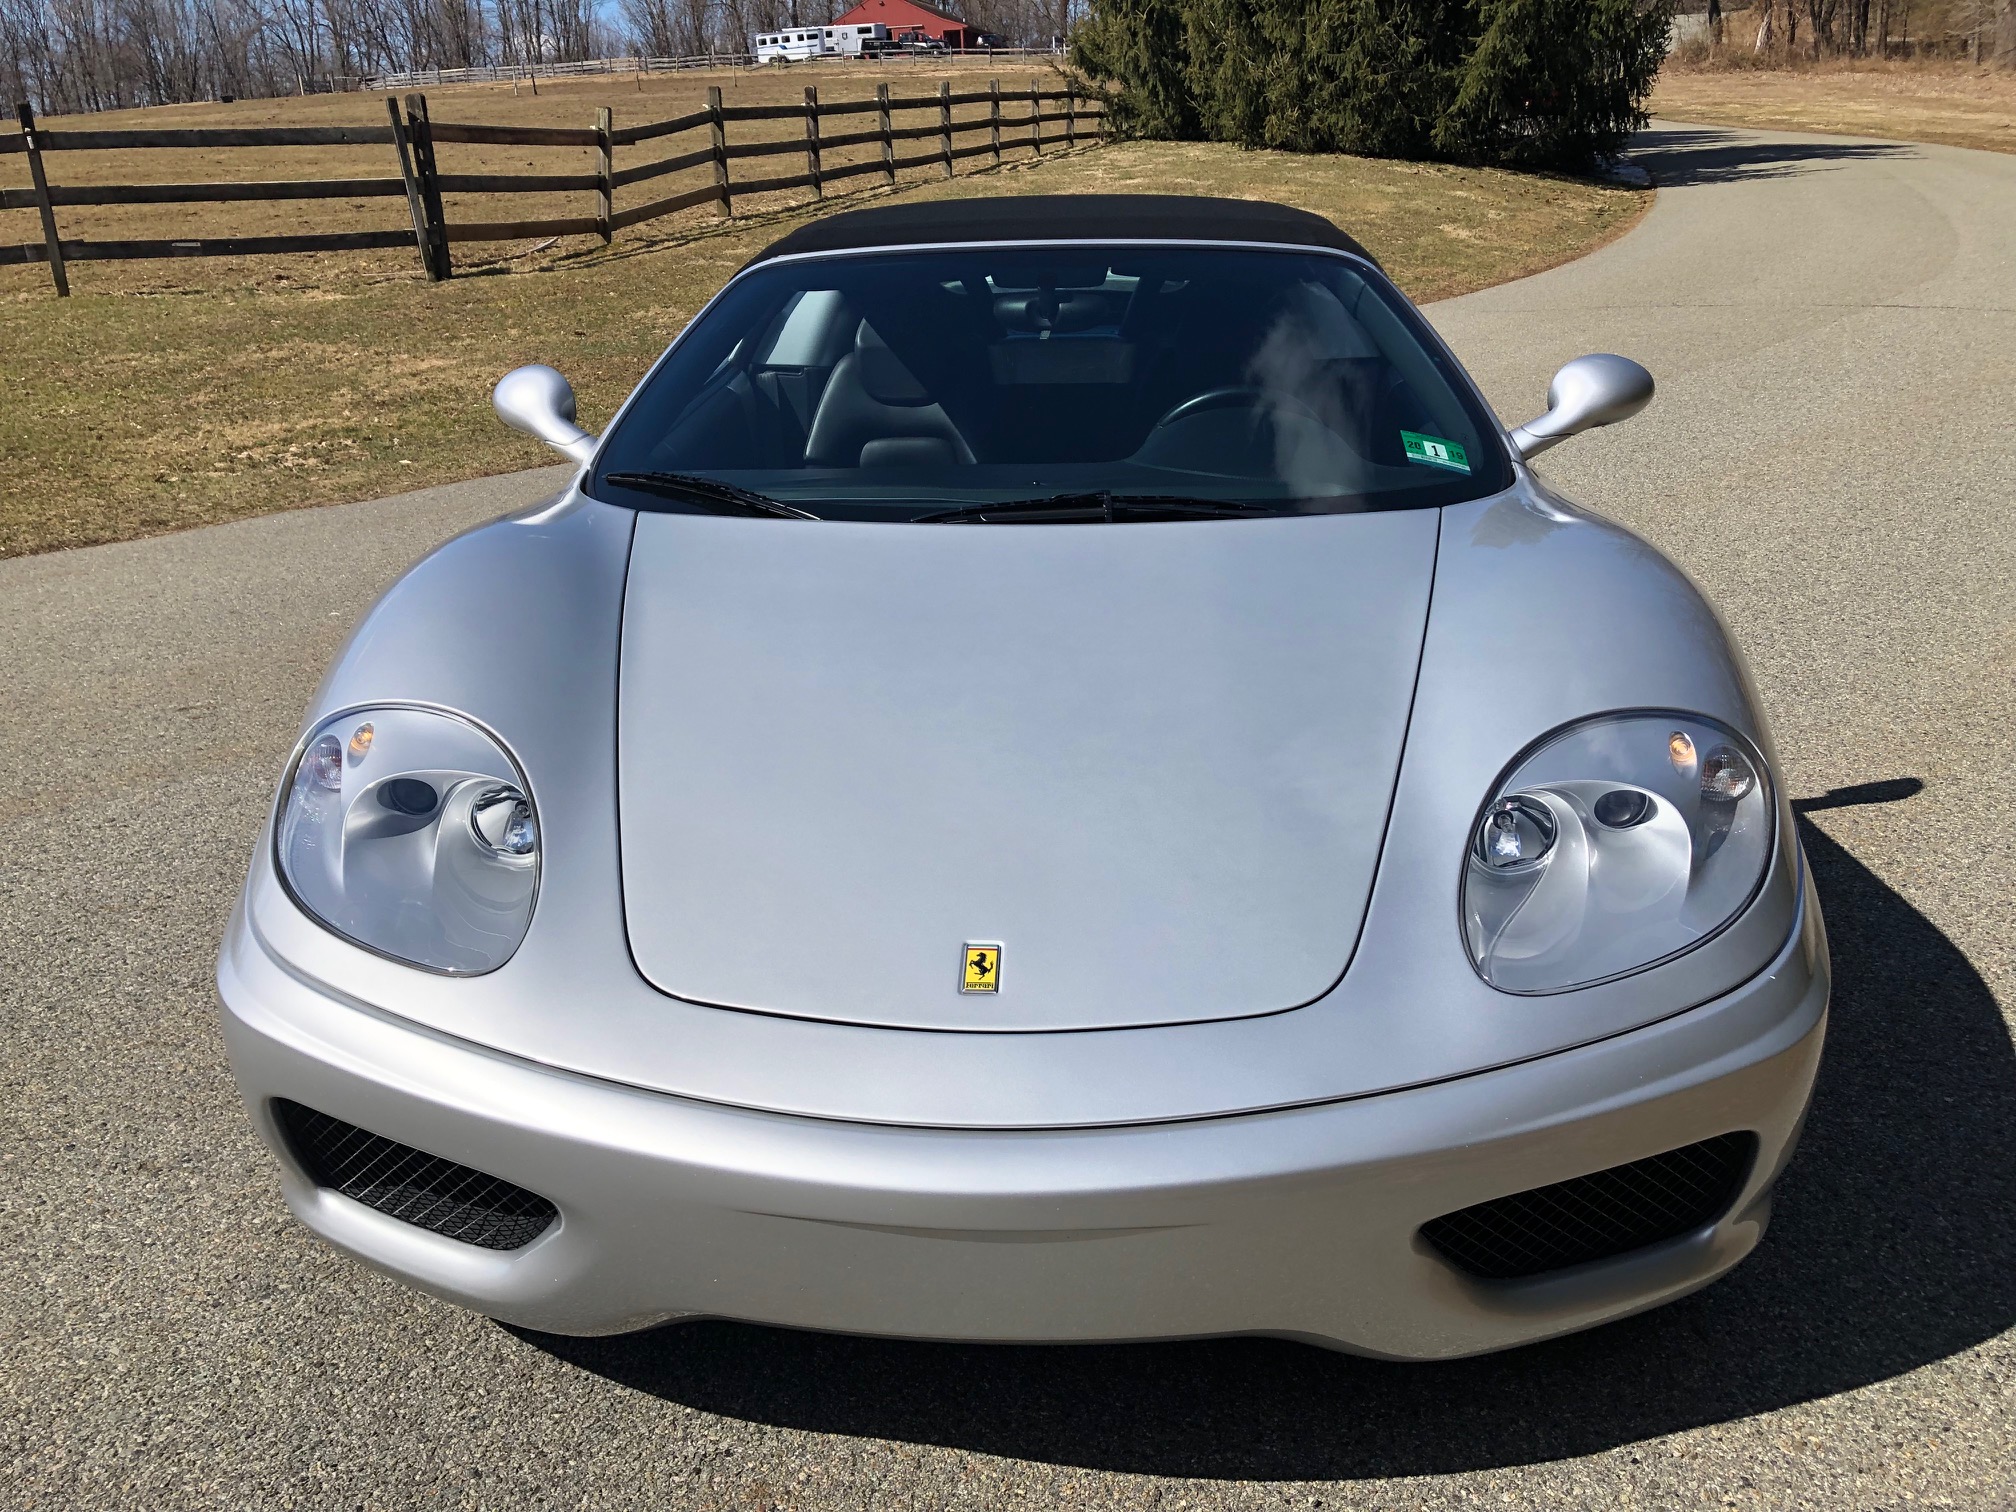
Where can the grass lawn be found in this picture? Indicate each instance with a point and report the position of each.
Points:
(166, 395)
(1910, 102)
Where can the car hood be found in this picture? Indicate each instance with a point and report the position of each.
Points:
(1152, 763)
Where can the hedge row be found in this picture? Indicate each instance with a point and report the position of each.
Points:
(1521, 83)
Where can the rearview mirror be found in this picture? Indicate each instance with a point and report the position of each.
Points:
(539, 402)
(1589, 392)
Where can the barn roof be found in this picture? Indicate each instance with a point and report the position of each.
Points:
(1064, 217)
(933, 11)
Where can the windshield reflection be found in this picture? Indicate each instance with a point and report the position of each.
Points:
(896, 385)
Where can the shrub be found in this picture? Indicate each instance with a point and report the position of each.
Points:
(1141, 44)
(1533, 83)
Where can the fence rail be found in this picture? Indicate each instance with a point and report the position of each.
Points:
(235, 136)
(506, 73)
(1019, 120)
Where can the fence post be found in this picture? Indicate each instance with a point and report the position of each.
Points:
(945, 123)
(1035, 119)
(605, 170)
(1070, 116)
(420, 131)
(812, 168)
(413, 202)
(888, 142)
(994, 119)
(57, 272)
(719, 125)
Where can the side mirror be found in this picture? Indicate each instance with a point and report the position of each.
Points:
(1588, 392)
(539, 402)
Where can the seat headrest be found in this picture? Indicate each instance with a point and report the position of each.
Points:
(882, 372)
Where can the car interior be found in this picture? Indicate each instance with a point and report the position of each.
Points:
(1039, 368)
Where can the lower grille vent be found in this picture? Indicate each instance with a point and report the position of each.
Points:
(1597, 1217)
(411, 1185)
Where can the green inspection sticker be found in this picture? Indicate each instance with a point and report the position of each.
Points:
(1434, 451)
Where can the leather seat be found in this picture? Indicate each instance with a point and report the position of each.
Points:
(874, 413)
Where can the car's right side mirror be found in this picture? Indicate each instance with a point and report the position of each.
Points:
(1591, 391)
(539, 402)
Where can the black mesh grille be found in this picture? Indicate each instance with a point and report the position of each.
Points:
(411, 1185)
(1596, 1217)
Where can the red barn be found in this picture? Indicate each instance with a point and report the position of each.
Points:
(906, 18)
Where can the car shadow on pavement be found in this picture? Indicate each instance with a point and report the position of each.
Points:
(1891, 1249)
(1678, 157)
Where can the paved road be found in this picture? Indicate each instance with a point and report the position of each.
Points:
(1834, 328)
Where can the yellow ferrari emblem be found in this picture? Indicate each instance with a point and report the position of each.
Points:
(982, 969)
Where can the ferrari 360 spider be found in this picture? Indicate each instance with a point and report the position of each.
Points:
(1053, 775)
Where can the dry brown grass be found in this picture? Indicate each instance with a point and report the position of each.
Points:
(172, 394)
(1945, 102)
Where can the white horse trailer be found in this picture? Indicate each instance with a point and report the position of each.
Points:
(860, 38)
(804, 42)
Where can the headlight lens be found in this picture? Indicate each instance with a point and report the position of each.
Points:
(411, 833)
(1617, 844)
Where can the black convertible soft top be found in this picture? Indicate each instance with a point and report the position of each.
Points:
(1064, 217)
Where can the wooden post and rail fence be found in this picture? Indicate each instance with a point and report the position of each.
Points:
(1038, 119)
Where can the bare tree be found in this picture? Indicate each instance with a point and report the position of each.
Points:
(79, 55)
(653, 27)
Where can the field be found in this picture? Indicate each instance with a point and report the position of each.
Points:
(1911, 102)
(176, 393)
(633, 100)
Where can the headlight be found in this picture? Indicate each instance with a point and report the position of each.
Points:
(1615, 845)
(412, 834)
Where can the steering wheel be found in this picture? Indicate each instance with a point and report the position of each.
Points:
(1235, 396)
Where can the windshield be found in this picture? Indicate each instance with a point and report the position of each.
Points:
(1076, 382)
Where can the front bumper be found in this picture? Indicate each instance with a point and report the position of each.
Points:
(1300, 1223)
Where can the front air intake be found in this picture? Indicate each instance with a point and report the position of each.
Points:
(1597, 1217)
(411, 1185)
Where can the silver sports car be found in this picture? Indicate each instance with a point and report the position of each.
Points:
(1053, 776)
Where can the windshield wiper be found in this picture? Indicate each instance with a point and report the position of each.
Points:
(1097, 506)
(706, 493)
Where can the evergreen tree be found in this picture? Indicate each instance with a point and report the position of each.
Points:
(1554, 83)
(1538, 83)
(1228, 58)
(1139, 45)
(1375, 75)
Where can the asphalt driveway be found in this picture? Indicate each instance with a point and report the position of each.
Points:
(1833, 455)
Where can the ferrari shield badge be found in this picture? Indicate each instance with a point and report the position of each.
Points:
(982, 969)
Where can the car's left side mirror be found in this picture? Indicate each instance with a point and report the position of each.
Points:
(1600, 389)
(539, 402)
